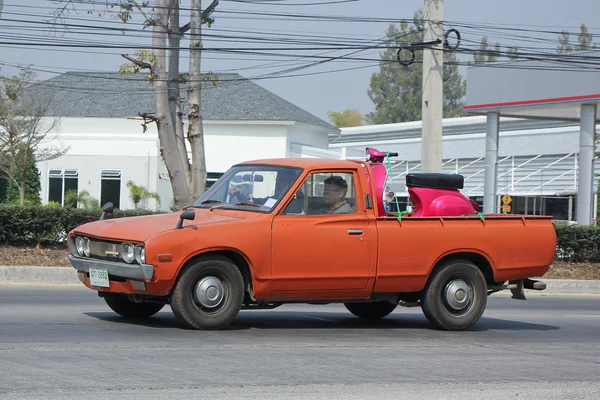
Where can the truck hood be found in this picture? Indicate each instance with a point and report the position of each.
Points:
(143, 227)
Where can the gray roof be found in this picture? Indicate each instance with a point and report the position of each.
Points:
(111, 95)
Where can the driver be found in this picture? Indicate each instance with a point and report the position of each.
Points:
(334, 192)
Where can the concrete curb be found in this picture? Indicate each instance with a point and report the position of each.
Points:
(67, 276)
(38, 276)
(568, 287)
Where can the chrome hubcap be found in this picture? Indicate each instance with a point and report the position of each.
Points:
(210, 292)
(458, 294)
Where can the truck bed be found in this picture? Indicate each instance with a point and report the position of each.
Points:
(506, 247)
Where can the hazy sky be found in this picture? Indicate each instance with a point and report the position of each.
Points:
(328, 87)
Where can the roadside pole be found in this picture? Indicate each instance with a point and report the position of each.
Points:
(433, 87)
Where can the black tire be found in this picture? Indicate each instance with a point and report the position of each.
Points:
(455, 296)
(192, 303)
(122, 305)
(375, 310)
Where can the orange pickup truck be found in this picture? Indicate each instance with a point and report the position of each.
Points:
(278, 231)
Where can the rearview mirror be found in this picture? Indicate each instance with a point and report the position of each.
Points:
(257, 178)
(190, 214)
(107, 209)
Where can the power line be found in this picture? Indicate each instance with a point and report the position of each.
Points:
(300, 43)
(281, 3)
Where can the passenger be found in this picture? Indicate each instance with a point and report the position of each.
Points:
(239, 190)
(334, 192)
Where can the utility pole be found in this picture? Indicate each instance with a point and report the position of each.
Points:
(433, 87)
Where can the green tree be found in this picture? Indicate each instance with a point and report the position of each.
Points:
(346, 118)
(584, 41)
(512, 53)
(598, 204)
(485, 54)
(140, 193)
(564, 45)
(3, 188)
(32, 188)
(396, 90)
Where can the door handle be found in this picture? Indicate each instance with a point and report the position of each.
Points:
(355, 231)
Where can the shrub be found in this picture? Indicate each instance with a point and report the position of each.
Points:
(74, 199)
(20, 225)
(140, 193)
(578, 243)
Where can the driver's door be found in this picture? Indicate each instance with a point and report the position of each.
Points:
(313, 250)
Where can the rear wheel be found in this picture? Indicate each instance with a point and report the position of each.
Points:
(122, 305)
(374, 310)
(209, 294)
(455, 296)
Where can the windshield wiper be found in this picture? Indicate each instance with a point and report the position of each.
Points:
(210, 201)
(219, 204)
(246, 204)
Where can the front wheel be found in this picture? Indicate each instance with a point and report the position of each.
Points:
(374, 310)
(122, 305)
(209, 294)
(455, 296)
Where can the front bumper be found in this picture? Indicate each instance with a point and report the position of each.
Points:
(116, 269)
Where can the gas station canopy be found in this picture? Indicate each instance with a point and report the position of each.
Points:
(562, 87)
(552, 89)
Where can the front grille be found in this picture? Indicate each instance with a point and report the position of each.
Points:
(107, 251)
(101, 249)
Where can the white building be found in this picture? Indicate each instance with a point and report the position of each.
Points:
(107, 145)
(537, 159)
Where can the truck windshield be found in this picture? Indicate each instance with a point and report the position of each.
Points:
(250, 187)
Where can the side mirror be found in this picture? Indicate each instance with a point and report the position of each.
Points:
(190, 214)
(107, 209)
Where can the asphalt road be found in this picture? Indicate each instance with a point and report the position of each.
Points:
(66, 343)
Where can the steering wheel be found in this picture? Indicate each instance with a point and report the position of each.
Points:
(240, 196)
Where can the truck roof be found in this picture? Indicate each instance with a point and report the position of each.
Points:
(307, 163)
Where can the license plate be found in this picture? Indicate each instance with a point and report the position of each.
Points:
(99, 277)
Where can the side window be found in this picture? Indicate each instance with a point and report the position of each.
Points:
(324, 193)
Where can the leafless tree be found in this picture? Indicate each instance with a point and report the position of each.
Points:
(26, 134)
(188, 179)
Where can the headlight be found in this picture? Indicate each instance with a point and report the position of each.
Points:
(140, 254)
(128, 252)
(79, 245)
(86, 246)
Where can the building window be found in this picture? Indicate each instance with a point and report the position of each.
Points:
(211, 178)
(163, 175)
(110, 187)
(60, 181)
